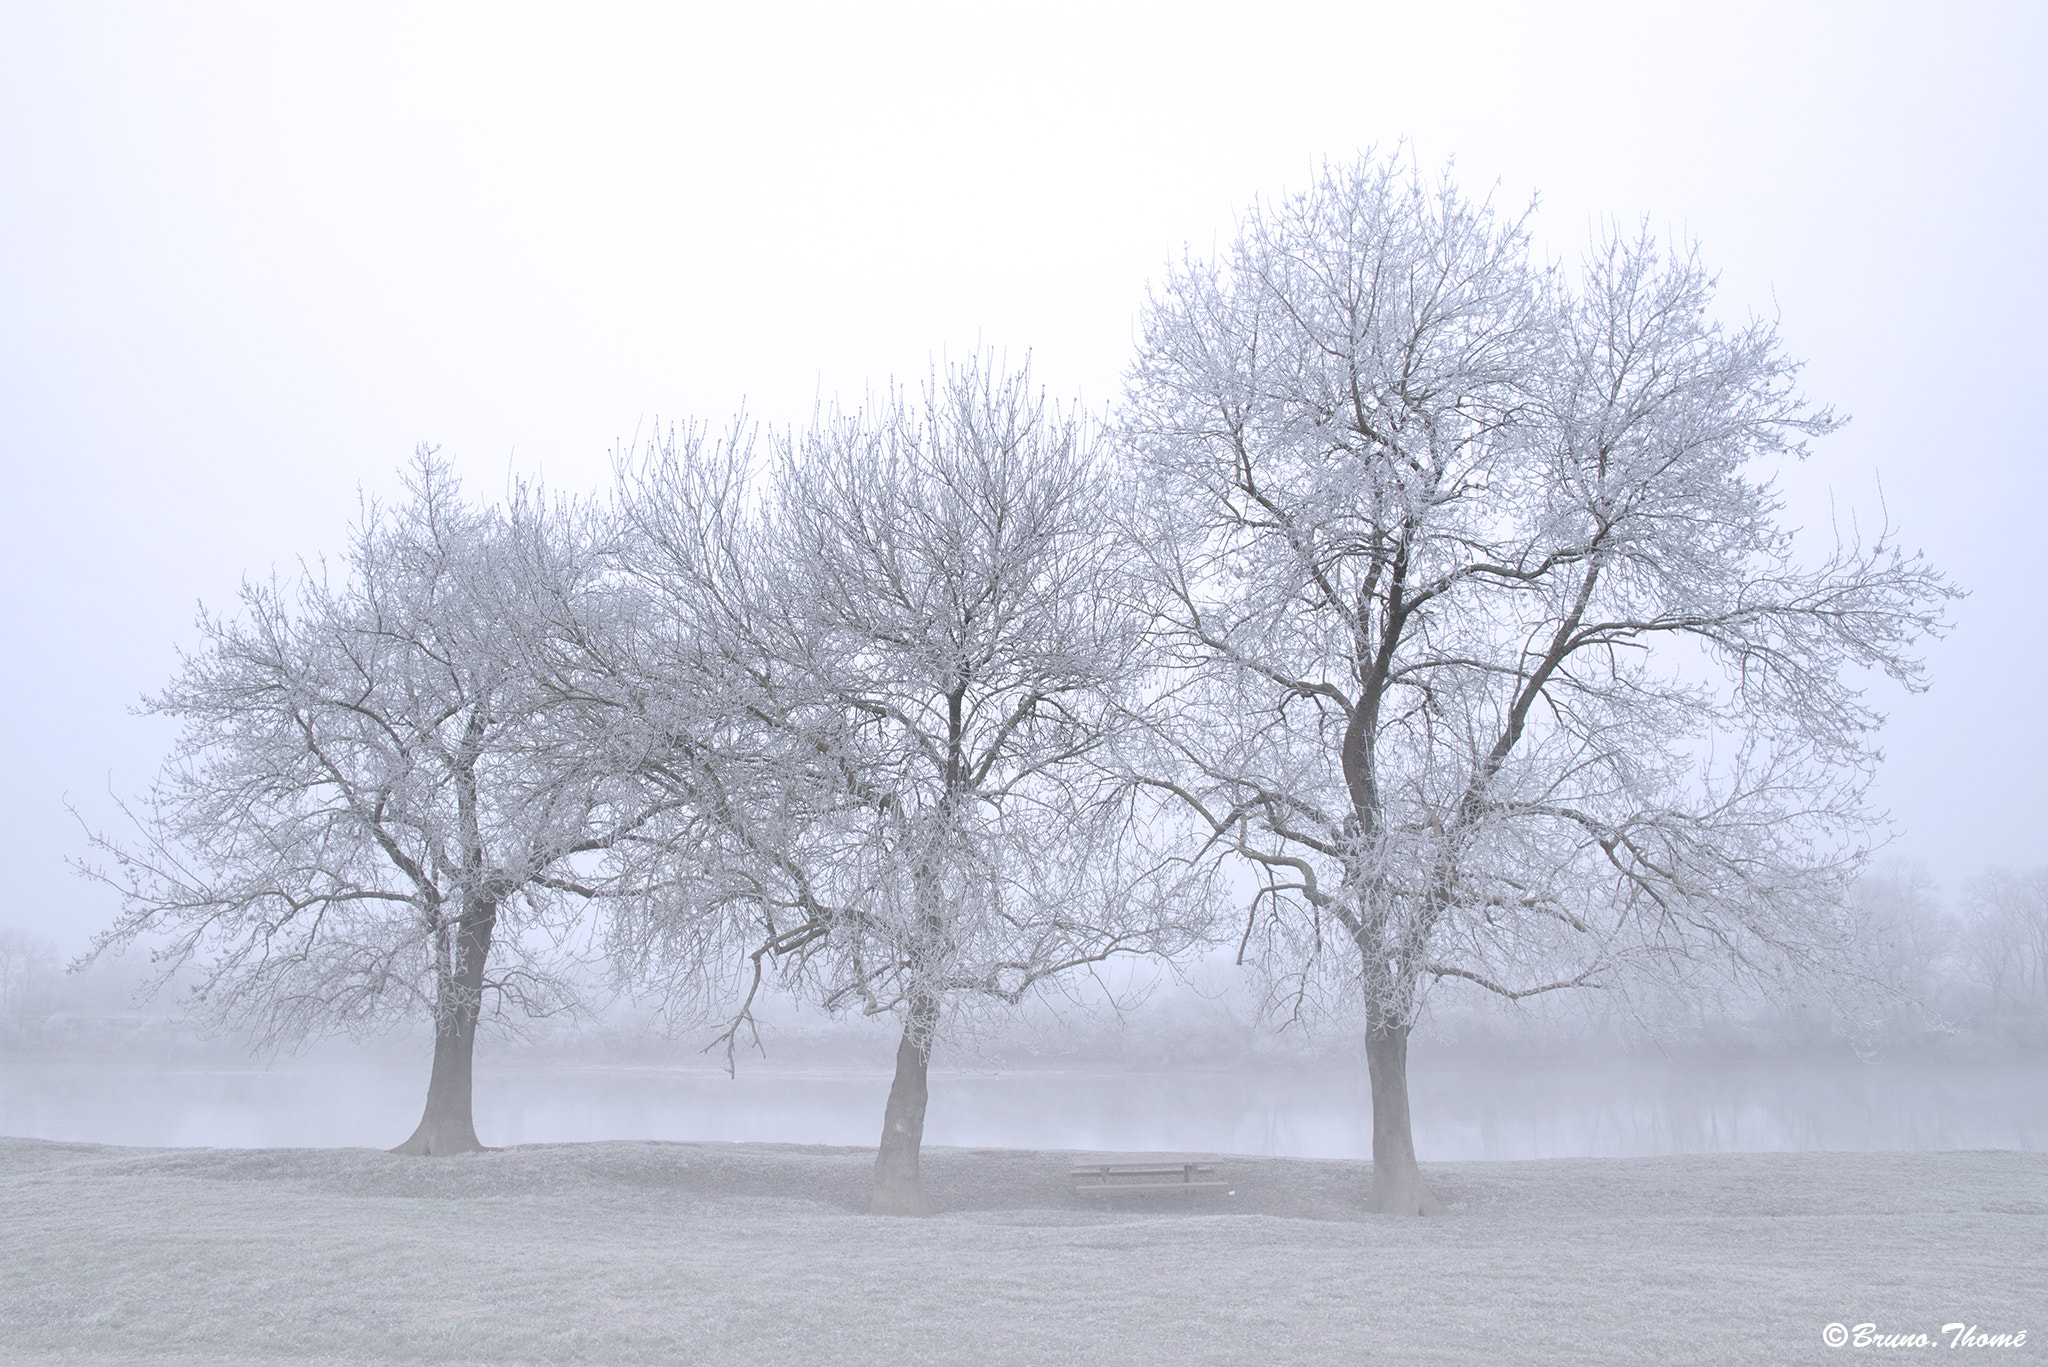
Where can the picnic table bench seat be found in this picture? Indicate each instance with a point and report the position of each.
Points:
(1146, 1179)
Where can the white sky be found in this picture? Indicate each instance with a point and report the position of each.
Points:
(251, 255)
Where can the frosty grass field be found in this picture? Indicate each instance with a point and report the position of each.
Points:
(755, 1253)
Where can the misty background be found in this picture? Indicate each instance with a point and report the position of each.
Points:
(249, 258)
(1188, 1065)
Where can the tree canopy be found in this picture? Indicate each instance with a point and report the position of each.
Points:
(382, 787)
(1496, 662)
(921, 612)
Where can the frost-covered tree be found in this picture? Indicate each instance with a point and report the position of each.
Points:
(2006, 939)
(26, 962)
(1908, 943)
(1494, 662)
(920, 613)
(383, 788)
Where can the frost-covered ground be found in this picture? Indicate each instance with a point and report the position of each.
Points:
(754, 1253)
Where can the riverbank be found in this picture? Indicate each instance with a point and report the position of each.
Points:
(1462, 1108)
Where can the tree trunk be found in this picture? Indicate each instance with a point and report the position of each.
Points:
(449, 1124)
(899, 1190)
(1397, 1187)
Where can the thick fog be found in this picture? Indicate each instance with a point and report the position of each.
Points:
(1188, 1067)
(253, 257)
(1464, 1108)
(1083, 595)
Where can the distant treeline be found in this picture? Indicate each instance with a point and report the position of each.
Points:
(1965, 970)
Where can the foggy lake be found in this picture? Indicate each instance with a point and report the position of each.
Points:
(1462, 1110)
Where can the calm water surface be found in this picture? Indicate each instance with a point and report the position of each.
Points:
(1461, 1110)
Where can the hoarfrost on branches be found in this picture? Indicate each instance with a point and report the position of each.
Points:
(383, 787)
(920, 615)
(1491, 657)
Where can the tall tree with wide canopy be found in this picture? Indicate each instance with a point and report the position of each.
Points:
(922, 611)
(383, 787)
(1493, 660)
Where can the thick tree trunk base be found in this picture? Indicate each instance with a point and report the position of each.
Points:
(899, 1199)
(1397, 1186)
(449, 1123)
(899, 1187)
(438, 1136)
(1402, 1194)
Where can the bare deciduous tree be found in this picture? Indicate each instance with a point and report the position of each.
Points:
(26, 961)
(922, 619)
(382, 790)
(2007, 939)
(1495, 663)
